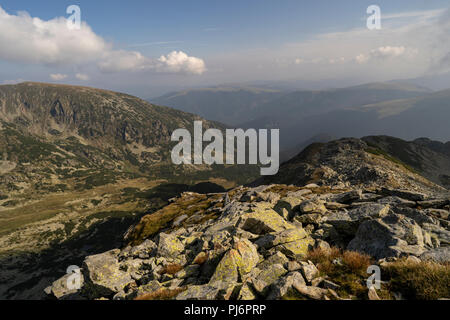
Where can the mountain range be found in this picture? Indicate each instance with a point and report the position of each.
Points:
(394, 108)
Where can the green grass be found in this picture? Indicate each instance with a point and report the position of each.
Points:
(377, 151)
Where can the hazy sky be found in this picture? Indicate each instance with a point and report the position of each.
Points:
(148, 47)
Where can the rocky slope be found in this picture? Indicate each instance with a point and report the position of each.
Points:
(76, 162)
(358, 163)
(430, 158)
(343, 210)
(66, 130)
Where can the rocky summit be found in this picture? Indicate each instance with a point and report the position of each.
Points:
(314, 231)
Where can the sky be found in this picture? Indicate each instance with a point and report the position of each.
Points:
(150, 47)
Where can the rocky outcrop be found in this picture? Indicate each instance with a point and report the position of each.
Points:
(252, 249)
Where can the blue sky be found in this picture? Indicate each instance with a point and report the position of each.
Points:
(237, 40)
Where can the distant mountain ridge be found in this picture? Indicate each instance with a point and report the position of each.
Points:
(424, 116)
(289, 110)
(230, 105)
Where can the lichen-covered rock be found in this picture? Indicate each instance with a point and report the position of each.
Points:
(264, 220)
(310, 218)
(236, 262)
(274, 239)
(169, 246)
(103, 275)
(368, 211)
(287, 206)
(397, 202)
(142, 251)
(199, 292)
(297, 249)
(277, 258)
(246, 293)
(342, 223)
(347, 223)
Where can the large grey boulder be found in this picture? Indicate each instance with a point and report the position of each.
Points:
(285, 285)
(347, 223)
(369, 211)
(266, 277)
(391, 236)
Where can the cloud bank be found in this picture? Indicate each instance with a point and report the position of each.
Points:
(26, 39)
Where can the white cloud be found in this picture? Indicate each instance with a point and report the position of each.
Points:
(122, 60)
(386, 52)
(26, 39)
(178, 61)
(82, 76)
(32, 40)
(174, 62)
(58, 76)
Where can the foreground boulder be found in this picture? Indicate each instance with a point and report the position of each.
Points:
(236, 262)
(391, 236)
(103, 274)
